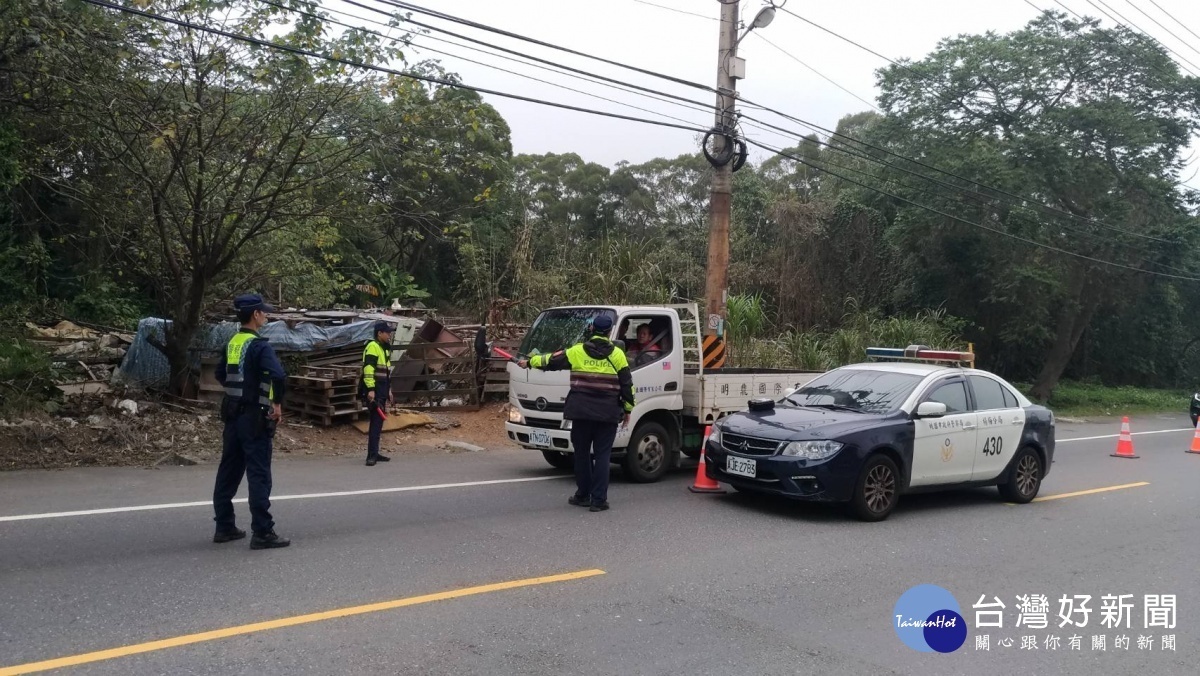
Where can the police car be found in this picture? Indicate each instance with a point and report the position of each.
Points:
(914, 420)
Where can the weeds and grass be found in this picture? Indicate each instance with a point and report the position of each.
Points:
(26, 377)
(1087, 399)
(820, 351)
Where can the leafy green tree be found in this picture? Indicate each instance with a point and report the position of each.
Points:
(1093, 123)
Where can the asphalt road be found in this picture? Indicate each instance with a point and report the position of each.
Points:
(695, 584)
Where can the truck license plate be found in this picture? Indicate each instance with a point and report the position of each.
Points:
(741, 466)
(539, 438)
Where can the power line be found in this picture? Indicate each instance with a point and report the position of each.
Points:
(533, 58)
(516, 36)
(1185, 43)
(382, 69)
(1022, 200)
(415, 45)
(1160, 8)
(523, 59)
(676, 9)
(409, 6)
(969, 194)
(404, 74)
(975, 199)
(1137, 28)
(939, 212)
(822, 75)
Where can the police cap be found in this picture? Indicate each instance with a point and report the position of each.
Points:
(383, 327)
(251, 302)
(602, 324)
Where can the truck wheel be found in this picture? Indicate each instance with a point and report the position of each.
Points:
(877, 490)
(649, 454)
(559, 460)
(1024, 477)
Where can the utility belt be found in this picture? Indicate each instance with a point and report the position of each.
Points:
(232, 409)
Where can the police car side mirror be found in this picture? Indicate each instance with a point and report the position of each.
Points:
(931, 409)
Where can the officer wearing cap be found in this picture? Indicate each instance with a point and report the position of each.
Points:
(254, 381)
(375, 386)
(601, 396)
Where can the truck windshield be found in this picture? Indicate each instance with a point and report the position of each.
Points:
(559, 329)
(860, 390)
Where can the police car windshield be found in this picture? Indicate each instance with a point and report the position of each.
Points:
(559, 329)
(858, 390)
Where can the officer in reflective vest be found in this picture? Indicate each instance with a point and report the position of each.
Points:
(376, 387)
(254, 381)
(601, 396)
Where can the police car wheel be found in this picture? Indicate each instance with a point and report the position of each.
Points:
(1024, 477)
(559, 460)
(877, 490)
(649, 454)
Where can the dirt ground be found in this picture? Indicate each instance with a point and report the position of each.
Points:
(102, 431)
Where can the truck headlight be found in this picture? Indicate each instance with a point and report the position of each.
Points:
(515, 417)
(812, 450)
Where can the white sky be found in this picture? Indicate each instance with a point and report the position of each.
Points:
(685, 46)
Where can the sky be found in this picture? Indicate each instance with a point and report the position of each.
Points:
(677, 43)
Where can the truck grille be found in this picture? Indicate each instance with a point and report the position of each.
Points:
(544, 423)
(548, 407)
(736, 443)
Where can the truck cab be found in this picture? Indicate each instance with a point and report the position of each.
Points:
(674, 397)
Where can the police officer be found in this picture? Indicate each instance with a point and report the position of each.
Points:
(376, 386)
(601, 396)
(254, 380)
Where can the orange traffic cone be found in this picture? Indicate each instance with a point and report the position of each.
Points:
(1195, 441)
(703, 484)
(1125, 441)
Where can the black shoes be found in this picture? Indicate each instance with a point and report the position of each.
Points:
(370, 462)
(372, 459)
(229, 535)
(383, 458)
(586, 501)
(268, 541)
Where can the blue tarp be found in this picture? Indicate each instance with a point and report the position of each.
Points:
(146, 367)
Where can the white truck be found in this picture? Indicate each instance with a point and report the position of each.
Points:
(676, 398)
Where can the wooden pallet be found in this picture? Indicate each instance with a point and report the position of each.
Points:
(325, 395)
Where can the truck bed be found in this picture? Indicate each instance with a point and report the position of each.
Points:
(714, 394)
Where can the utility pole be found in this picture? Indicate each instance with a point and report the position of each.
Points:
(721, 193)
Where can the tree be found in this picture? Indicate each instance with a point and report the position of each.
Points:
(1091, 121)
(205, 147)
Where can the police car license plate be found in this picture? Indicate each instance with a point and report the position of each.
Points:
(741, 466)
(539, 438)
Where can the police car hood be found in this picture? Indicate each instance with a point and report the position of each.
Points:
(787, 423)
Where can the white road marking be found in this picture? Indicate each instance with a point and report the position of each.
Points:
(1114, 436)
(400, 489)
(274, 498)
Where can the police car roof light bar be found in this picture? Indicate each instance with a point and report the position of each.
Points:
(920, 353)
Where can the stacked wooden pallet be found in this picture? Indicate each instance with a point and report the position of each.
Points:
(325, 395)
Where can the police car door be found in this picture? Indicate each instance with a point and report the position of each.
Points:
(944, 448)
(1001, 423)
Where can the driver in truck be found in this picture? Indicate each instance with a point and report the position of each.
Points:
(601, 396)
(645, 349)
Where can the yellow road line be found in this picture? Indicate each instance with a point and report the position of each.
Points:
(1091, 491)
(1060, 496)
(188, 639)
